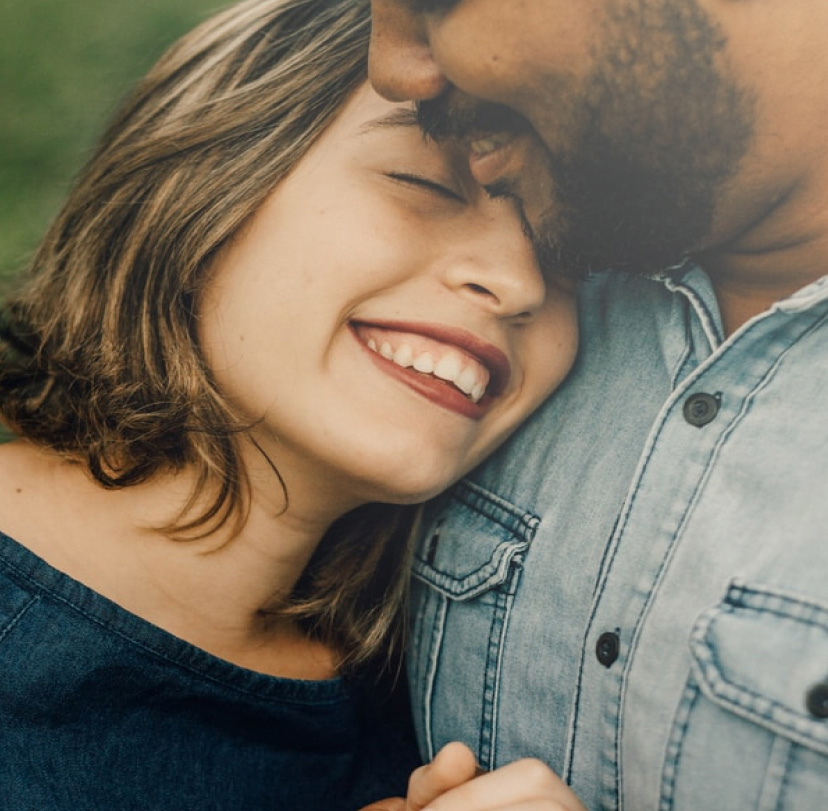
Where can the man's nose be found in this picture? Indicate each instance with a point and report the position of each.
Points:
(400, 64)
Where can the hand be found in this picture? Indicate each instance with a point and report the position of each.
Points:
(525, 785)
(453, 765)
(452, 782)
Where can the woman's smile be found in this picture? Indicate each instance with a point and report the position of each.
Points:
(381, 319)
(448, 365)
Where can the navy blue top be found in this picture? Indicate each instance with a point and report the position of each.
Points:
(102, 711)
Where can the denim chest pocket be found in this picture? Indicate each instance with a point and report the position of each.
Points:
(466, 572)
(752, 730)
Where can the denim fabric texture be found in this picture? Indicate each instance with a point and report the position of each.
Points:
(102, 711)
(635, 589)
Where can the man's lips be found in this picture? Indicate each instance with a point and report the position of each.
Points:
(496, 157)
(449, 365)
(515, 165)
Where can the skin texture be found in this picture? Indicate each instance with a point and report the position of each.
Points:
(648, 128)
(635, 143)
(349, 237)
(648, 135)
(452, 782)
(633, 133)
(374, 224)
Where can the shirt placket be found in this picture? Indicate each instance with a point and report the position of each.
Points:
(711, 386)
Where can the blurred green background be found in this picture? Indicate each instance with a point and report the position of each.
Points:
(64, 65)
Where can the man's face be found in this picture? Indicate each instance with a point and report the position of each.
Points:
(611, 122)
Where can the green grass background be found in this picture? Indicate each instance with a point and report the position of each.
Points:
(64, 65)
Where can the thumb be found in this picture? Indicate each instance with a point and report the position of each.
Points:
(453, 765)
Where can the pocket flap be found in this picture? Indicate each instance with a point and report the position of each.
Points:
(759, 653)
(471, 542)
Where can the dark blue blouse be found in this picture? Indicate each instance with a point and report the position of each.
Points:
(103, 711)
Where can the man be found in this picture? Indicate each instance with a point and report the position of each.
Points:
(635, 590)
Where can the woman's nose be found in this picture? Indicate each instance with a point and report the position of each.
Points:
(501, 275)
(400, 64)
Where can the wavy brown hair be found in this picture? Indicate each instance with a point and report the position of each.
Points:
(98, 353)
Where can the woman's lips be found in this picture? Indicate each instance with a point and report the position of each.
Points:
(449, 366)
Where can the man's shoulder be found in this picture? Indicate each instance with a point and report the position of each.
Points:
(599, 418)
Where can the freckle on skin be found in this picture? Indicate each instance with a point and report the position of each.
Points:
(18, 490)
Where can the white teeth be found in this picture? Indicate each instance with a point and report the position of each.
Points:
(466, 380)
(448, 367)
(452, 367)
(424, 363)
(404, 356)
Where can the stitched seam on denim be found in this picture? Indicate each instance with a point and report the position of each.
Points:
(626, 509)
(6, 630)
(684, 360)
(282, 699)
(776, 716)
(611, 549)
(706, 316)
(786, 779)
(727, 694)
(491, 685)
(438, 631)
(607, 558)
(516, 575)
(630, 502)
(747, 403)
(611, 778)
(753, 598)
(518, 522)
(520, 525)
(675, 745)
(776, 777)
(814, 622)
(483, 579)
(420, 605)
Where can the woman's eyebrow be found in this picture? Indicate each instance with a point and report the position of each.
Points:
(400, 117)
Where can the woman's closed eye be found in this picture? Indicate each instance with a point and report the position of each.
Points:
(427, 184)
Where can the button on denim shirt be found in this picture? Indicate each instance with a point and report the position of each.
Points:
(635, 589)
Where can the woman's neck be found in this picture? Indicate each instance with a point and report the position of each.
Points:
(219, 592)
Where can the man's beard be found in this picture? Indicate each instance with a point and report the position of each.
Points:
(655, 132)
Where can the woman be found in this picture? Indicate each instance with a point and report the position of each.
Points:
(269, 314)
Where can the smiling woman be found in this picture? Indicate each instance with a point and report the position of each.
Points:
(269, 317)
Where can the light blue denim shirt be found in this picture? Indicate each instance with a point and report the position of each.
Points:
(635, 590)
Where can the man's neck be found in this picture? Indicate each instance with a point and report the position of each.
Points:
(770, 236)
(768, 263)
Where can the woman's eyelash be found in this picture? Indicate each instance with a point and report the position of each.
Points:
(426, 183)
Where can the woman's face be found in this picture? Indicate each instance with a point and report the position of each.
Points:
(382, 318)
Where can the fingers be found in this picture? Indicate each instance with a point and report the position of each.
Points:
(453, 765)
(525, 785)
(391, 804)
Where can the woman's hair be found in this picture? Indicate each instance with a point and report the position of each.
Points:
(99, 359)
